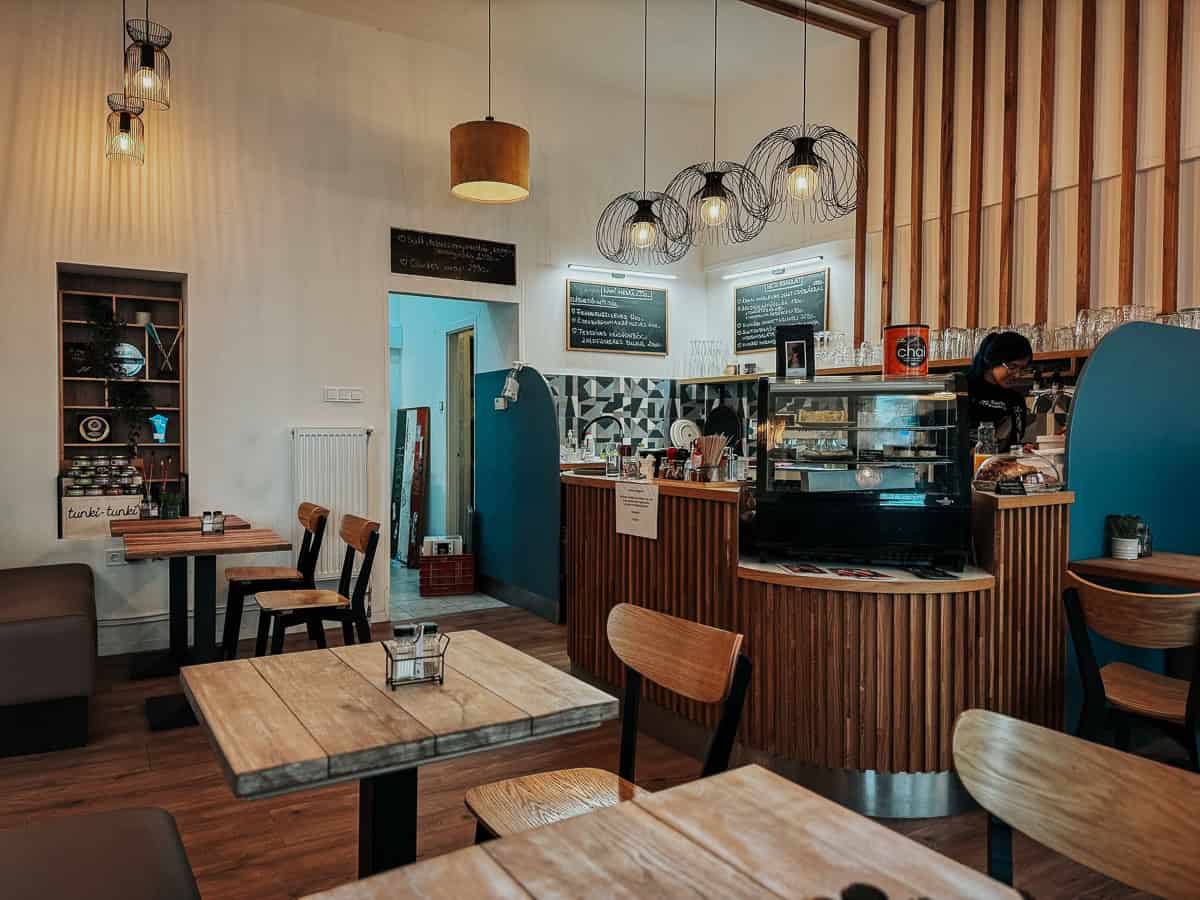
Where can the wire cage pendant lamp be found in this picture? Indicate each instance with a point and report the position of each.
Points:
(124, 132)
(489, 160)
(644, 227)
(723, 199)
(147, 66)
(809, 172)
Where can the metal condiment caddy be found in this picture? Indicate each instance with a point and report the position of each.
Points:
(415, 655)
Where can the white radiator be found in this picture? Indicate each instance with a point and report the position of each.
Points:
(330, 468)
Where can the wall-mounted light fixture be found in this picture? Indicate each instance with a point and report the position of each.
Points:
(779, 269)
(621, 273)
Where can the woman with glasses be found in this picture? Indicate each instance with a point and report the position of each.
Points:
(1001, 359)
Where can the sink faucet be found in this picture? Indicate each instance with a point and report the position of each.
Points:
(620, 424)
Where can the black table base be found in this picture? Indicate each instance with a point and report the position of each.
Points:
(172, 711)
(387, 821)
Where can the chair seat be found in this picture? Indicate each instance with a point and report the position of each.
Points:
(262, 573)
(1146, 693)
(280, 601)
(519, 804)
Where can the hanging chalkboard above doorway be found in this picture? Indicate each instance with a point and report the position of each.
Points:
(448, 256)
(796, 300)
(614, 318)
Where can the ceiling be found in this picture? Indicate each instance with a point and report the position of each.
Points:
(601, 40)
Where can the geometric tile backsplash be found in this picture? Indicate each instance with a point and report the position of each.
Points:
(648, 405)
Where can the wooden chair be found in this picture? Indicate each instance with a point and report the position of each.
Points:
(1130, 818)
(246, 581)
(312, 608)
(697, 661)
(1123, 694)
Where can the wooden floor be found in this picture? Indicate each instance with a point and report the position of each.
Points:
(294, 845)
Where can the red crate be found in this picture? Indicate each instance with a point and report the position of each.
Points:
(443, 576)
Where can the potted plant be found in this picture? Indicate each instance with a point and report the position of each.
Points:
(1123, 536)
(129, 397)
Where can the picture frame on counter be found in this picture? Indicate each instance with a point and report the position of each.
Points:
(795, 347)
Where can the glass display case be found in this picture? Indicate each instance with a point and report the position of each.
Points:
(863, 469)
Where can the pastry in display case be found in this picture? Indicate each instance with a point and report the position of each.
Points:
(1019, 472)
(860, 469)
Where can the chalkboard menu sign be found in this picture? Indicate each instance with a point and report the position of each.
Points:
(447, 256)
(614, 318)
(758, 308)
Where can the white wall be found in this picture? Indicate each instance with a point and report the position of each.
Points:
(419, 368)
(294, 142)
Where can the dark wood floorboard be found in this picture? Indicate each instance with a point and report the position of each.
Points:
(305, 842)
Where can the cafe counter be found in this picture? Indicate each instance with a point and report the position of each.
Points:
(857, 682)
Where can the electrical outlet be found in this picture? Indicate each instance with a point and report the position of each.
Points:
(115, 557)
(343, 394)
(331, 395)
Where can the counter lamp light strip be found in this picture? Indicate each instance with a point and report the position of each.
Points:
(773, 270)
(621, 273)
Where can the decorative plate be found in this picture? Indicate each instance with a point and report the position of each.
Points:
(129, 360)
(94, 428)
(683, 433)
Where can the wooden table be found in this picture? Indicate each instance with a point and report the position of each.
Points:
(744, 833)
(172, 711)
(122, 527)
(298, 721)
(1179, 570)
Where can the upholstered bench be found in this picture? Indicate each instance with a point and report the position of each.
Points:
(47, 657)
(127, 854)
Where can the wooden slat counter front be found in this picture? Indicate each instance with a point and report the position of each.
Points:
(850, 676)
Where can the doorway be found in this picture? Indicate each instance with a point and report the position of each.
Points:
(460, 430)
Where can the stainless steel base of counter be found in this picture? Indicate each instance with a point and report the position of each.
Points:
(888, 795)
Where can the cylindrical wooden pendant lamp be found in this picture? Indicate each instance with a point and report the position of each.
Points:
(489, 162)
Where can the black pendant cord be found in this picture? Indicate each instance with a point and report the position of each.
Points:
(714, 155)
(124, 19)
(489, 115)
(804, 74)
(645, 83)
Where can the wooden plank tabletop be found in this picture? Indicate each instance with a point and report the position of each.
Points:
(122, 527)
(744, 833)
(1179, 570)
(163, 546)
(301, 720)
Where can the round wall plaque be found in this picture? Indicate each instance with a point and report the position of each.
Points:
(129, 360)
(94, 428)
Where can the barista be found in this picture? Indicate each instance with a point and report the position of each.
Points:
(1001, 359)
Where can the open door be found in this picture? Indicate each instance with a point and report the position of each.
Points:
(460, 429)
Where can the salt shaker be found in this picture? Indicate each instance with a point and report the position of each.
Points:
(218, 522)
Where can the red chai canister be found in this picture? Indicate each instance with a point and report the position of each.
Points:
(905, 351)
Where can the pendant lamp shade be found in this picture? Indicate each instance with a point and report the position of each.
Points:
(489, 162)
(643, 228)
(124, 133)
(147, 66)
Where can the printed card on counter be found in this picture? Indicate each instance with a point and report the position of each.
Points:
(637, 509)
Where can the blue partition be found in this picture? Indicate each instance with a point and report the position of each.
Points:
(518, 494)
(1133, 444)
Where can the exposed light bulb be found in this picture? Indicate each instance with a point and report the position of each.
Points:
(643, 234)
(714, 211)
(123, 141)
(147, 79)
(802, 182)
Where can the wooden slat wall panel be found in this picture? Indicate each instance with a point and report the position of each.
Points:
(889, 177)
(1041, 300)
(1171, 142)
(1087, 153)
(1008, 190)
(916, 219)
(1129, 113)
(860, 215)
(688, 572)
(861, 681)
(975, 195)
(946, 185)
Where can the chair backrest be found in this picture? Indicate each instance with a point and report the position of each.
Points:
(695, 661)
(312, 520)
(1149, 621)
(1127, 817)
(361, 535)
